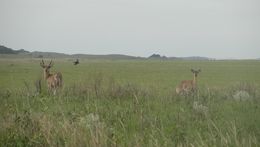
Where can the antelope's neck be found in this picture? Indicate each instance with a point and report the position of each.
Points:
(194, 79)
(46, 75)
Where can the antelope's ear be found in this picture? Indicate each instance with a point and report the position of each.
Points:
(192, 70)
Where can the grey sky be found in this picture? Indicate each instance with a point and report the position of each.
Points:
(213, 28)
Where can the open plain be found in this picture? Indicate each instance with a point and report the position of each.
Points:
(130, 103)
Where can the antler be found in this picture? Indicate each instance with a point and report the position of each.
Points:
(51, 64)
(42, 64)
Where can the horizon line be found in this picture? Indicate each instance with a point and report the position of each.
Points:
(161, 55)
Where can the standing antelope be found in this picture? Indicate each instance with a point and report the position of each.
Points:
(54, 81)
(187, 86)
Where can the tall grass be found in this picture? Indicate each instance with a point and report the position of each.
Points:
(130, 103)
(103, 112)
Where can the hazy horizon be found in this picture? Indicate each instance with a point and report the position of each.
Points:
(215, 29)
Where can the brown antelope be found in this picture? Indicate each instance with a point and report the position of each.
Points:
(54, 81)
(187, 86)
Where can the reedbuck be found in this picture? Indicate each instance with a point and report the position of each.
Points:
(188, 86)
(54, 81)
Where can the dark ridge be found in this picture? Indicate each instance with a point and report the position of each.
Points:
(6, 50)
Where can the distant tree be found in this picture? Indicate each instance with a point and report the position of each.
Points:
(22, 51)
(155, 56)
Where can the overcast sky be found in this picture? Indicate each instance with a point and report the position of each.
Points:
(212, 28)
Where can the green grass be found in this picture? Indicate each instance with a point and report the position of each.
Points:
(129, 103)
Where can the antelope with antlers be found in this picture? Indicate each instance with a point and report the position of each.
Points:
(187, 86)
(54, 81)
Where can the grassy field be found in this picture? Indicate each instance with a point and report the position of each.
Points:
(130, 103)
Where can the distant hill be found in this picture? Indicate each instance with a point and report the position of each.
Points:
(48, 55)
(6, 50)
(196, 58)
(10, 53)
(157, 56)
(110, 56)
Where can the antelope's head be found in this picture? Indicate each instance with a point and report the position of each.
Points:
(46, 68)
(195, 72)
